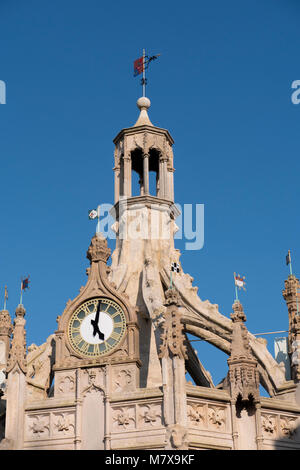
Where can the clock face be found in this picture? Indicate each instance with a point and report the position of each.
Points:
(96, 327)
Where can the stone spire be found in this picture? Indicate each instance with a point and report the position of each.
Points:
(16, 383)
(291, 296)
(243, 374)
(5, 334)
(17, 353)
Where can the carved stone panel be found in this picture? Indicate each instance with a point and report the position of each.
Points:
(280, 426)
(216, 418)
(197, 415)
(149, 415)
(49, 425)
(63, 424)
(124, 418)
(38, 426)
(65, 383)
(92, 379)
(269, 425)
(208, 416)
(123, 379)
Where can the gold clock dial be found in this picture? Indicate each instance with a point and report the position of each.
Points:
(96, 327)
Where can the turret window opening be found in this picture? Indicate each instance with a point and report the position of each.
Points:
(137, 180)
(154, 172)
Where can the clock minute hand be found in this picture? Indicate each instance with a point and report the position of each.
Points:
(98, 313)
(96, 321)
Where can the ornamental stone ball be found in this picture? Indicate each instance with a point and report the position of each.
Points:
(143, 102)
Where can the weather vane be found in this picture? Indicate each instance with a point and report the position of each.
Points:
(24, 286)
(239, 282)
(95, 214)
(176, 269)
(5, 297)
(140, 65)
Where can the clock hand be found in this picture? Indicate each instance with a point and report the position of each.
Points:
(98, 312)
(95, 323)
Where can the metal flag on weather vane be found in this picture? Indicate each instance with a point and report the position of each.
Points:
(239, 282)
(288, 261)
(174, 268)
(95, 214)
(5, 297)
(140, 65)
(24, 286)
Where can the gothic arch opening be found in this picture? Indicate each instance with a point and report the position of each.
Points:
(121, 177)
(137, 180)
(154, 172)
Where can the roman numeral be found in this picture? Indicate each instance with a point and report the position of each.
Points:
(115, 314)
(115, 336)
(85, 347)
(77, 339)
(76, 329)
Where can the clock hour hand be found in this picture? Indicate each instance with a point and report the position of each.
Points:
(95, 323)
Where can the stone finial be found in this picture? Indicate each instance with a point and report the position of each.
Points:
(5, 323)
(243, 376)
(239, 314)
(17, 353)
(172, 337)
(172, 297)
(143, 104)
(98, 249)
(290, 295)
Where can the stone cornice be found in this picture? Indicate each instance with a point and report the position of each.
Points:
(194, 391)
(277, 404)
(138, 202)
(139, 394)
(141, 130)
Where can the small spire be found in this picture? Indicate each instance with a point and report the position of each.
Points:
(143, 104)
(17, 353)
(243, 376)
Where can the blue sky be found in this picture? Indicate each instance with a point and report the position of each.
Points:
(222, 87)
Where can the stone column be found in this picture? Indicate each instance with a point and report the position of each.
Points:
(78, 411)
(16, 383)
(146, 173)
(127, 176)
(107, 435)
(173, 354)
(235, 433)
(161, 179)
(259, 436)
(290, 295)
(165, 176)
(117, 183)
(5, 334)
(171, 183)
